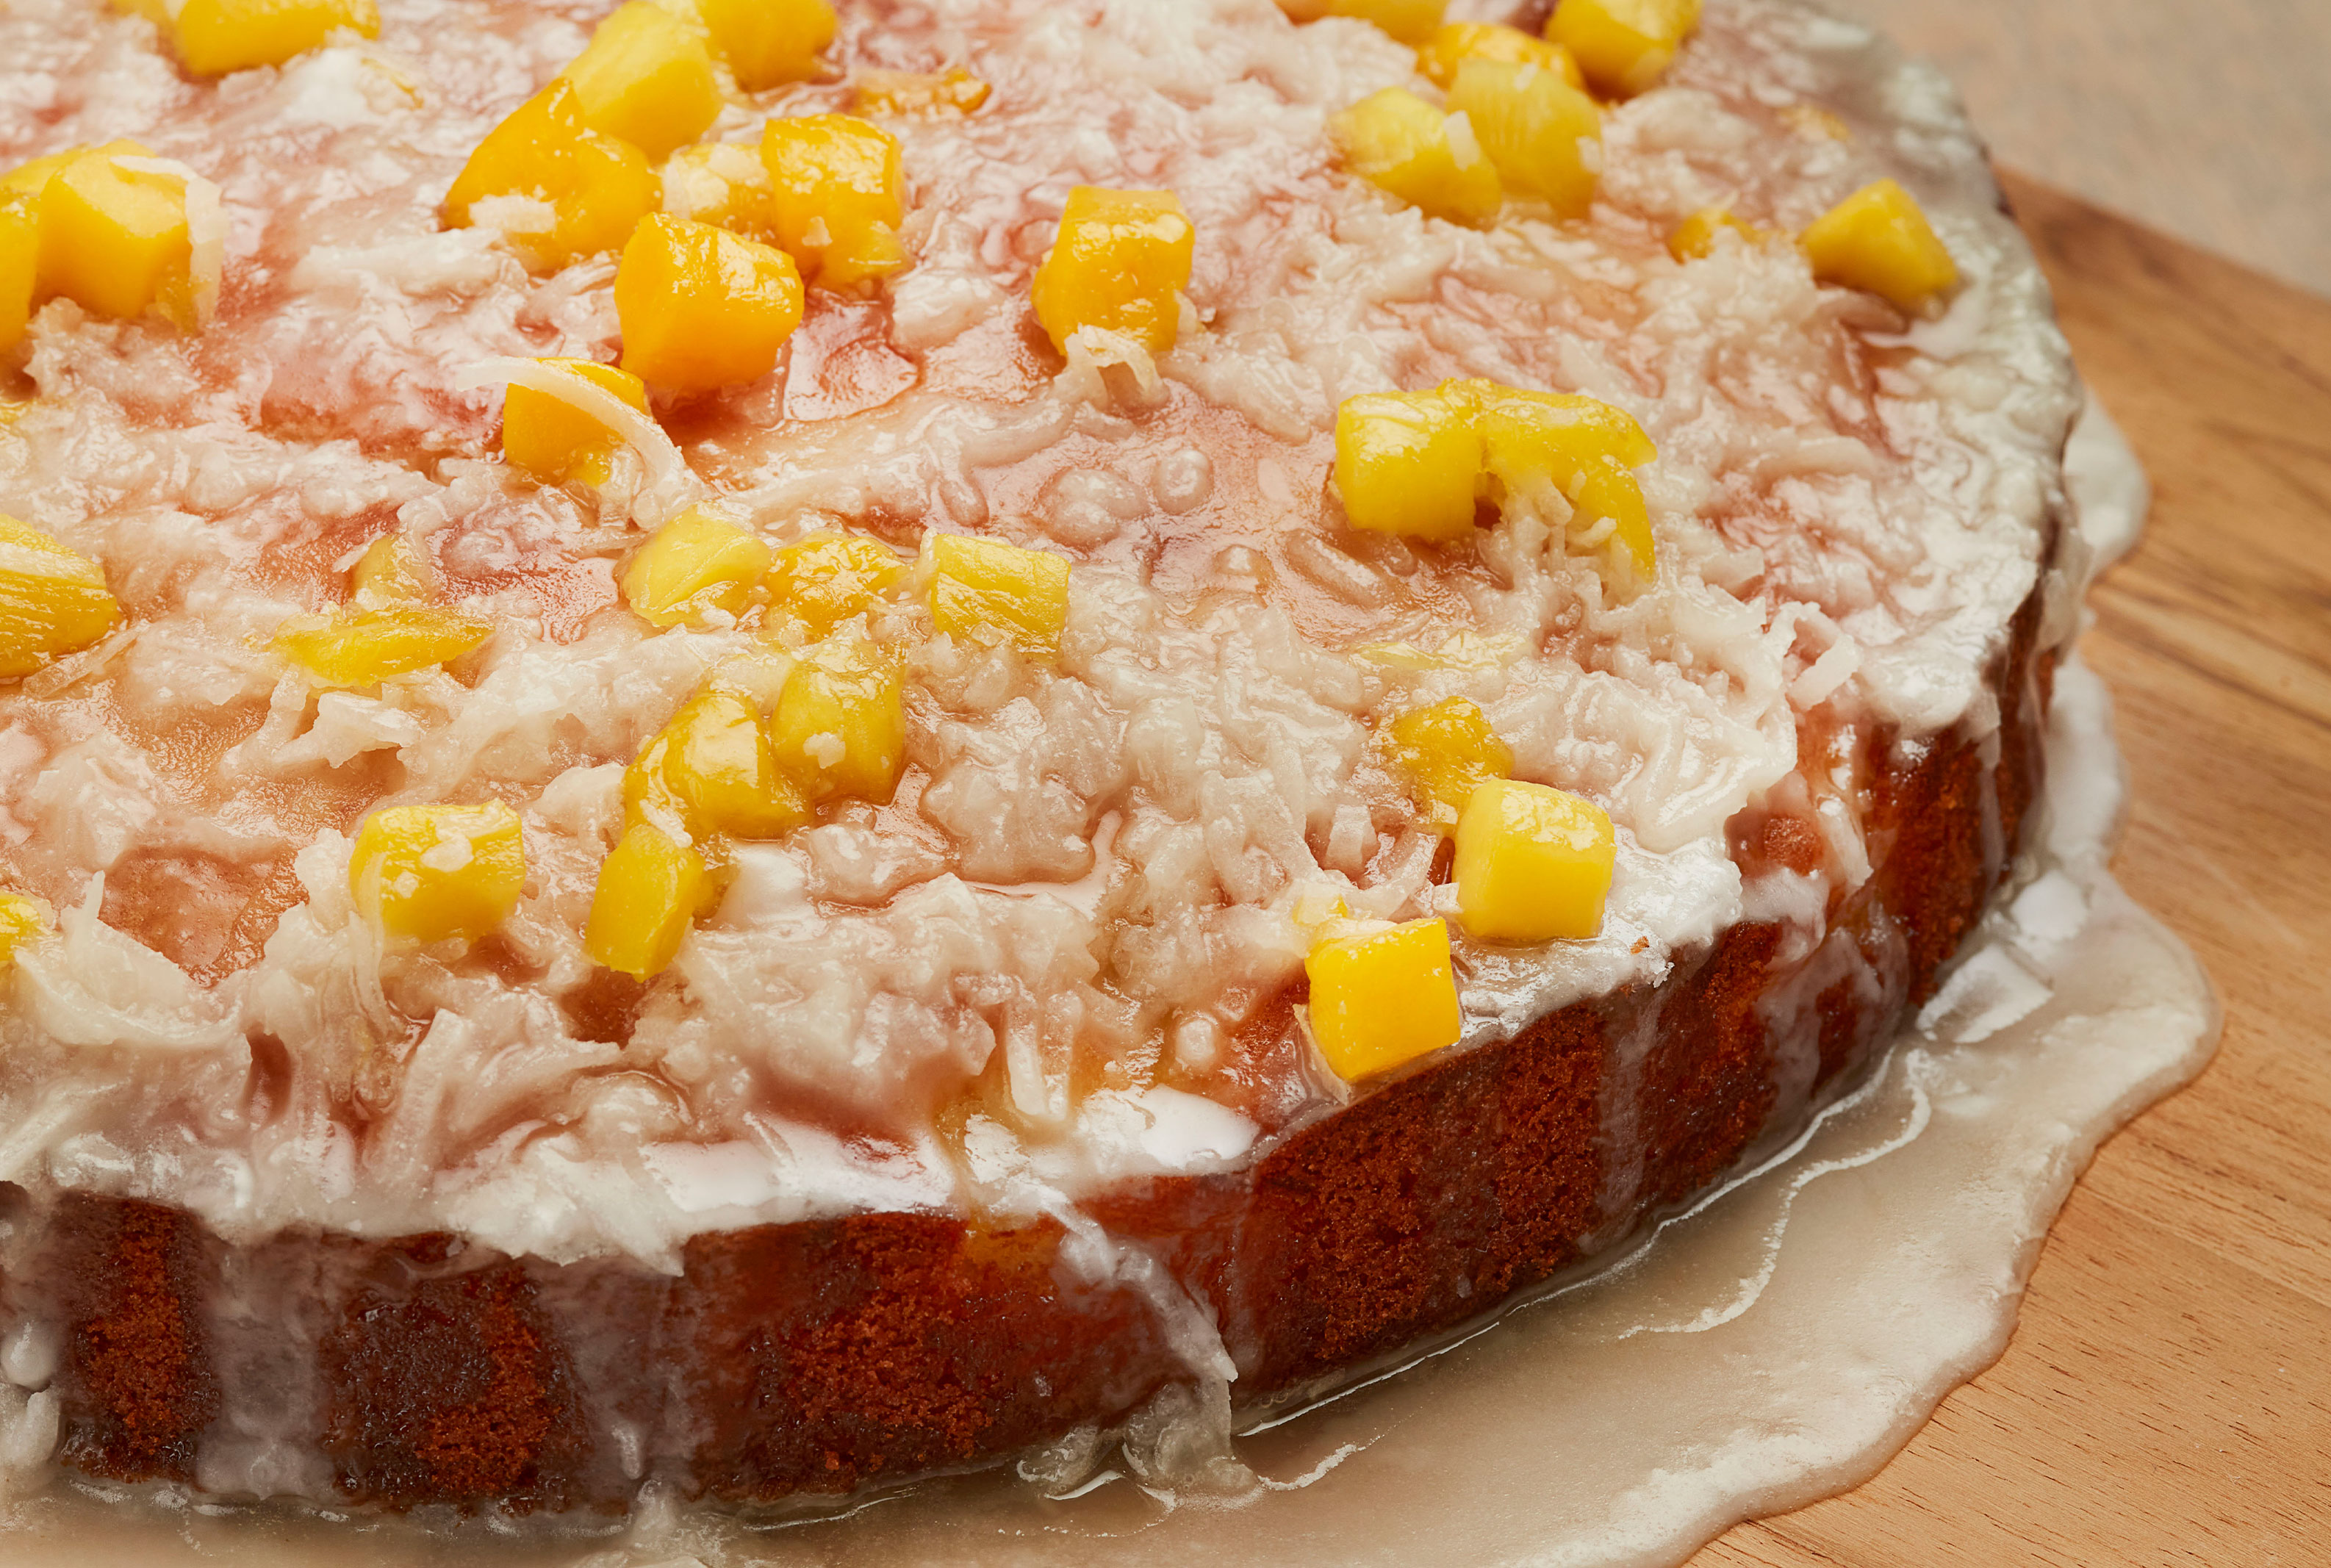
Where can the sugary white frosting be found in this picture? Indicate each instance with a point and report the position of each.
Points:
(1031, 964)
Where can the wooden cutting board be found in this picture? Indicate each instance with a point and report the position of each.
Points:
(2167, 1396)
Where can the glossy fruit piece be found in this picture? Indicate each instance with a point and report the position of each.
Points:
(598, 186)
(1407, 462)
(1458, 42)
(23, 921)
(1533, 864)
(390, 572)
(1581, 447)
(19, 263)
(1410, 21)
(1696, 236)
(1877, 239)
(647, 78)
(373, 645)
(767, 41)
(214, 37)
(701, 308)
(114, 239)
(837, 196)
(1383, 999)
(555, 441)
(1443, 752)
(695, 564)
(1404, 146)
(646, 900)
(726, 185)
(954, 90)
(713, 768)
(986, 591)
(826, 578)
(1623, 46)
(841, 724)
(1120, 263)
(435, 873)
(1543, 135)
(53, 601)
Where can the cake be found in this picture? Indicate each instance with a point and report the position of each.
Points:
(769, 752)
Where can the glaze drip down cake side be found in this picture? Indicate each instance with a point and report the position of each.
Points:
(764, 751)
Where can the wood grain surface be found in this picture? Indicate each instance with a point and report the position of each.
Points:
(2167, 1396)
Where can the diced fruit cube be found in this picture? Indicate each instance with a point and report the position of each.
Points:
(1119, 262)
(53, 600)
(1696, 236)
(390, 572)
(598, 186)
(114, 239)
(1582, 447)
(1450, 46)
(432, 873)
(19, 263)
(991, 592)
(23, 921)
(1623, 46)
(841, 725)
(953, 90)
(1407, 462)
(370, 647)
(647, 78)
(1395, 140)
(827, 578)
(694, 564)
(702, 307)
(1384, 999)
(646, 902)
(1877, 239)
(216, 36)
(1533, 864)
(1410, 21)
(1543, 135)
(767, 41)
(726, 185)
(837, 196)
(1444, 752)
(555, 441)
(713, 766)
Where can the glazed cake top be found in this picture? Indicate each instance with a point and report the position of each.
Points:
(1048, 963)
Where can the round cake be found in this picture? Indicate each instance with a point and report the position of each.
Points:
(763, 750)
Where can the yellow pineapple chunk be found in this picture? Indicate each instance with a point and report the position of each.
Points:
(19, 263)
(1623, 46)
(987, 591)
(837, 196)
(726, 185)
(767, 41)
(432, 873)
(115, 240)
(1383, 999)
(1407, 462)
(695, 564)
(647, 78)
(389, 571)
(953, 90)
(841, 724)
(827, 578)
(598, 186)
(216, 36)
(1582, 447)
(647, 898)
(714, 770)
(1533, 864)
(1543, 135)
(53, 600)
(555, 441)
(23, 921)
(1120, 262)
(1398, 142)
(701, 308)
(1410, 21)
(1444, 752)
(1696, 236)
(1877, 239)
(370, 646)
(1450, 46)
